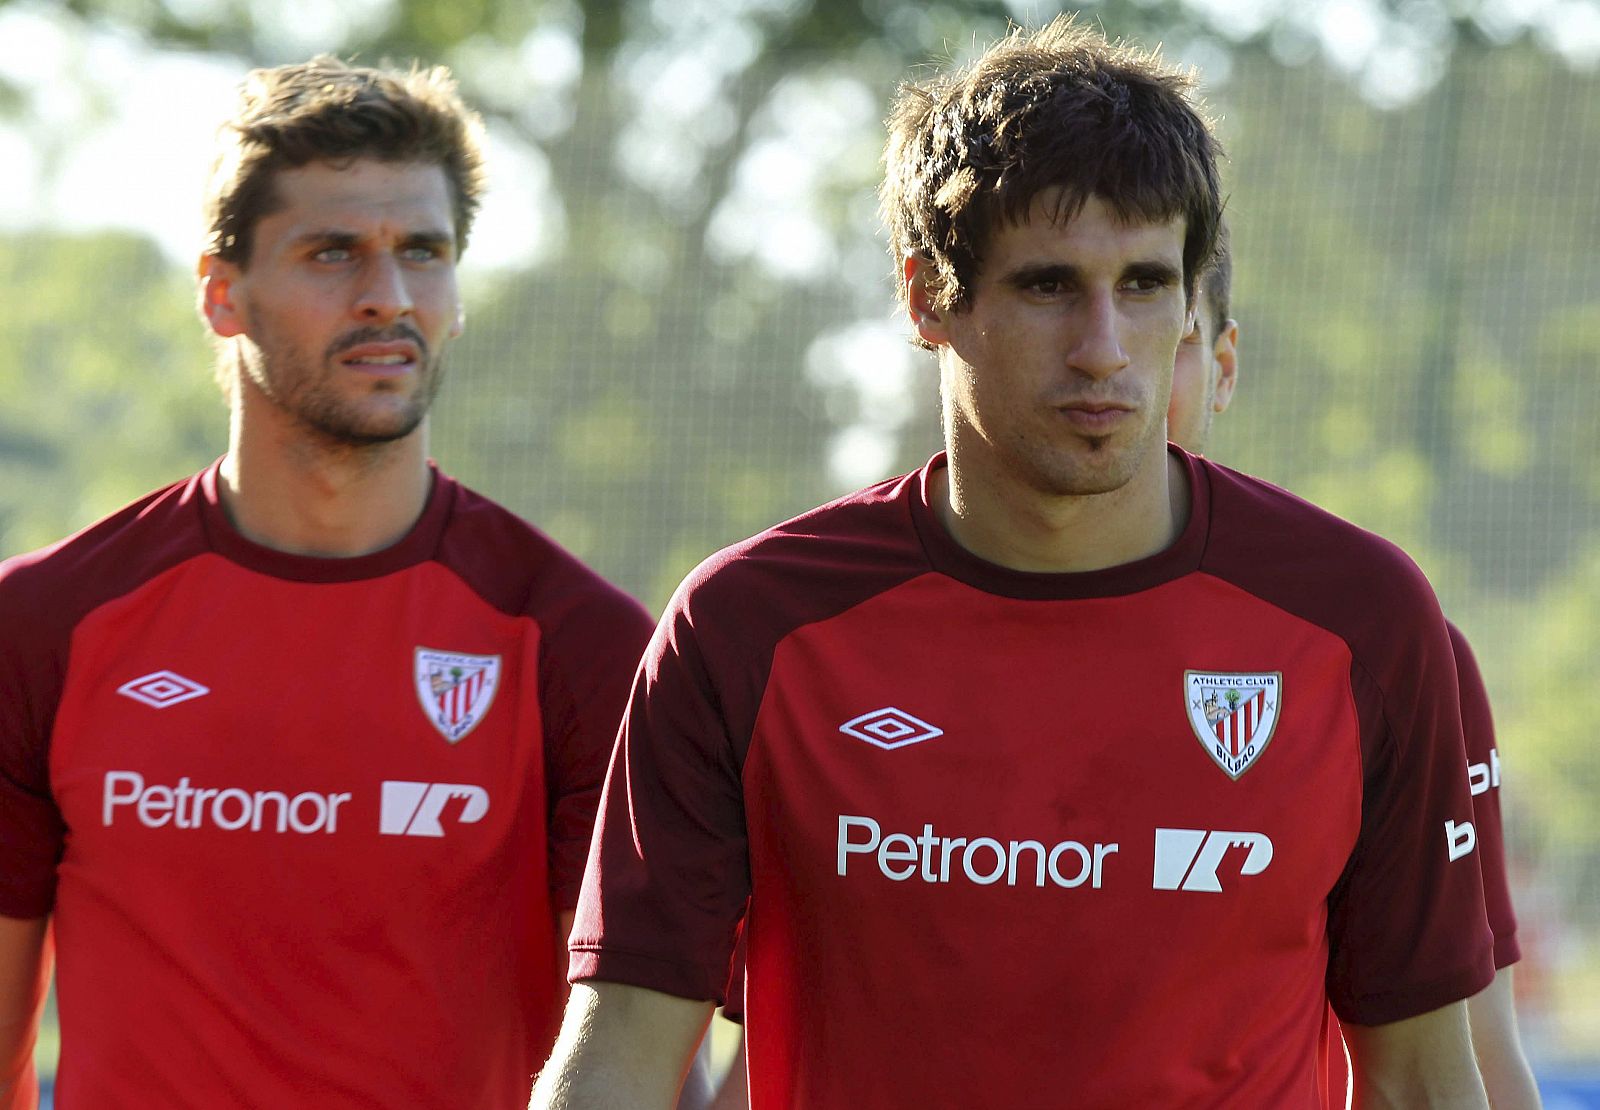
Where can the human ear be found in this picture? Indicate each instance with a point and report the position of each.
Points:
(217, 296)
(917, 275)
(1225, 353)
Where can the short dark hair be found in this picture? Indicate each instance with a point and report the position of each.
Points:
(1060, 107)
(1216, 282)
(326, 110)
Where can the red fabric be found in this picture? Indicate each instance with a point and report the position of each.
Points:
(268, 943)
(974, 911)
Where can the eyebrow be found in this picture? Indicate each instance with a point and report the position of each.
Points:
(1064, 273)
(329, 237)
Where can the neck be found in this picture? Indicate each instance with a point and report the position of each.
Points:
(1023, 529)
(285, 490)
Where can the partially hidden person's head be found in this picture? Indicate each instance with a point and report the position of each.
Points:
(1058, 112)
(1207, 366)
(339, 203)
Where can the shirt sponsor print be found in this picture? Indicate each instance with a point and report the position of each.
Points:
(1233, 714)
(455, 689)
(406, 808)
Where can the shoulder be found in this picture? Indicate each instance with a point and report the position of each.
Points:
(814, 565)
(519, 570)
(1304, 559)
(59, 584)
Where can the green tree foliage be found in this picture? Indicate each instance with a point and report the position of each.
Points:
(105, 380)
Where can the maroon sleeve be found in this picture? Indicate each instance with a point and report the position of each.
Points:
(32, 664)
(587, 661)
(669, 872)
(733, 1008)
(43, 597)
(1483, 766)
(590, 637)
(1407, 929)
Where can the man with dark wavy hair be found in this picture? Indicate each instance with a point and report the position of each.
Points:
(299, 756)
(1071, 770)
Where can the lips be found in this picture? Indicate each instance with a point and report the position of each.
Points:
(1095, 417)
(381, 356)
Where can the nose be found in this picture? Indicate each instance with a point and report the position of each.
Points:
(1098, 350)
(384, 295)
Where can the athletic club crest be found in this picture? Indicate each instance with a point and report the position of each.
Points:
(1233, 714)
(456, 690)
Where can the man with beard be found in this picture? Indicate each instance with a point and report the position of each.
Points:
(1070, 770)
(299, 756)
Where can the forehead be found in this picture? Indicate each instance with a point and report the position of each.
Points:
(362, 196)
(1092, 239)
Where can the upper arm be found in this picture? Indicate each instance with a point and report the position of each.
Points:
(24, 981)
(621, 1045)
(1418, 1063)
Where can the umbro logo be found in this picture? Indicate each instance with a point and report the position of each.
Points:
(890, 728)
(162, 689)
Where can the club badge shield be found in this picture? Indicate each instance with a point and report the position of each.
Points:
(1233, 714)
(455, 690)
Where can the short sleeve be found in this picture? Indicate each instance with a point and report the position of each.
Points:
(1407, 927)
(668, 875)
(587, 662)
(1483, 767)
(31, 829)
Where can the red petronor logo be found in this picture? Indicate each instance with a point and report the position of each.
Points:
(1233, 714)
(455, 690)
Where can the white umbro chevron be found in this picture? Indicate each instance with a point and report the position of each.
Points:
(890, 728)
(162, 689)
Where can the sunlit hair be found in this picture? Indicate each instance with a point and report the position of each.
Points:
(326, 110)
(1216, 282)
(1057, 108)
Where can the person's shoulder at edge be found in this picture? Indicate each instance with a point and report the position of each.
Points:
(96, 563)
(1274, 540)
(517, 566)
(868, 531)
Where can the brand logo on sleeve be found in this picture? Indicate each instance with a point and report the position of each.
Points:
(1459, 838)
(428, 808)
(1188, 859)
(162, 689)
(1484, 777)
(1233, 715)
(455, 690)
(890, 728)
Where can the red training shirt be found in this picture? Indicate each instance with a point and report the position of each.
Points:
(304, 825)
(1104, 840)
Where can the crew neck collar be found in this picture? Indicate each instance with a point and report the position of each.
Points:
(1182, 557)
(417, 545)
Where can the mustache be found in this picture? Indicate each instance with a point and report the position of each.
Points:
(394, 333)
